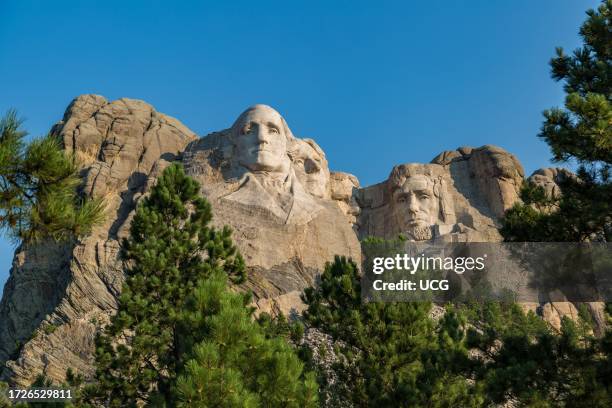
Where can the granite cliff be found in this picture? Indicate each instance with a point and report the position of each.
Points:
(290, 214)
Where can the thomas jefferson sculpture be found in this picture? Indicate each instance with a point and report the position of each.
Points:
(311, 167)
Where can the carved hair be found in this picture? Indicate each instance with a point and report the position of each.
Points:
(436, 174)
(236, 127)
(295, 151)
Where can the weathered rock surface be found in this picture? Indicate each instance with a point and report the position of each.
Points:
(549, 179)
(57, 295)
(553, 312)
(461, 193)
(489, 176)
(278, 203)
(290, 215)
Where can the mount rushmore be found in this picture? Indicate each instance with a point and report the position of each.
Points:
(289, 213)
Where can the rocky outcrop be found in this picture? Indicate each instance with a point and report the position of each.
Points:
(553, 312)
(466, 191)
(489, 176)
(57, 295)
(290, 215)
(286, 228)
(278, 202)
(549, 179)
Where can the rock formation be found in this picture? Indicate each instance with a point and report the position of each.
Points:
(274, 191)
(57, 295)
(462, 193)
(553, 312)
(289, 213)
(549, 179)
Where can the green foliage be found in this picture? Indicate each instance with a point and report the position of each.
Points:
(492, 321)
(180, 337)
(280, 327)
(582, 213)
(582, 131)
(525, 361)
(538, 367)
(141, 350)
(43, 382)
(236, 364)
(4, 401)
(50, 328)
(391, 354)
(38, 188)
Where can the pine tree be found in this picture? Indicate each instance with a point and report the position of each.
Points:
(141, 350)
(581, 132)
(38, 188)
(390, 354)
(179, 336)
(236, 364)
(572, 368)
(532, 365)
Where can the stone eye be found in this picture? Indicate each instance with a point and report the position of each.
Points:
(311, 166)
(273, 130)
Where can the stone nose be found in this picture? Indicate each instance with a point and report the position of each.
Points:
(262, 136)
(412, 204)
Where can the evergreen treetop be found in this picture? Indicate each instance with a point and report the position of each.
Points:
(39, 188)
(581, 132)
(180, 336)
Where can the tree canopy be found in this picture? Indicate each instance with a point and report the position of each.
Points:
(39, 188)
(581, 132)
(181, 337)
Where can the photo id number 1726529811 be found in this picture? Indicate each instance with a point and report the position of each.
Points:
(39, 394)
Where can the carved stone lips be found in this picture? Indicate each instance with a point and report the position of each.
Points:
(413, 221)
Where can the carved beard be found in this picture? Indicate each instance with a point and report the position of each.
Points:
(420, 233)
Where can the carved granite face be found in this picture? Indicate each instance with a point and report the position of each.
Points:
(418, 200)
(260, 140)
(310, 167)
(415, 203)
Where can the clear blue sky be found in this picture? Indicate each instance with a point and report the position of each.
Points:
(374, 83)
